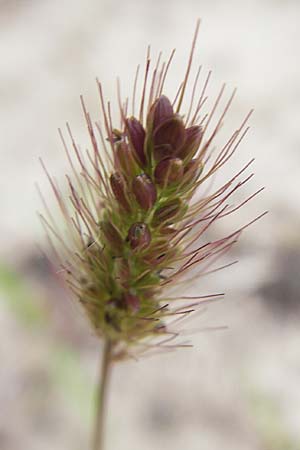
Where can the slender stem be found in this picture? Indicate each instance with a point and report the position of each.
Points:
(98, 442)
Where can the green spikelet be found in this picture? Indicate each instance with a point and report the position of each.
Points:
(134, 225)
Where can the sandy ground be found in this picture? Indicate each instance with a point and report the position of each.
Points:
(237, 389)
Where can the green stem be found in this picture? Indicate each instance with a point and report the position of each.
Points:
(98, 440)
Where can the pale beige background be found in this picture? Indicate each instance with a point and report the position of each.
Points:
(237, 389)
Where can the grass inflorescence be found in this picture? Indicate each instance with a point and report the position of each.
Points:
(135, 227)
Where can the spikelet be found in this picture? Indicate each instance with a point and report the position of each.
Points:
(133, 226)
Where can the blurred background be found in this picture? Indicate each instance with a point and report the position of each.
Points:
(236, 389)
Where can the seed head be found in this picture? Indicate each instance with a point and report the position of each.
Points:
(135, 227)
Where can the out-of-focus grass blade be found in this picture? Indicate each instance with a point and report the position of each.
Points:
(19, 298)
(64, 364)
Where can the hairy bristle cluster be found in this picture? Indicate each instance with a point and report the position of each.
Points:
(133, 229)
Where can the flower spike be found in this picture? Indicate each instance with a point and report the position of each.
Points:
(135, 226)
